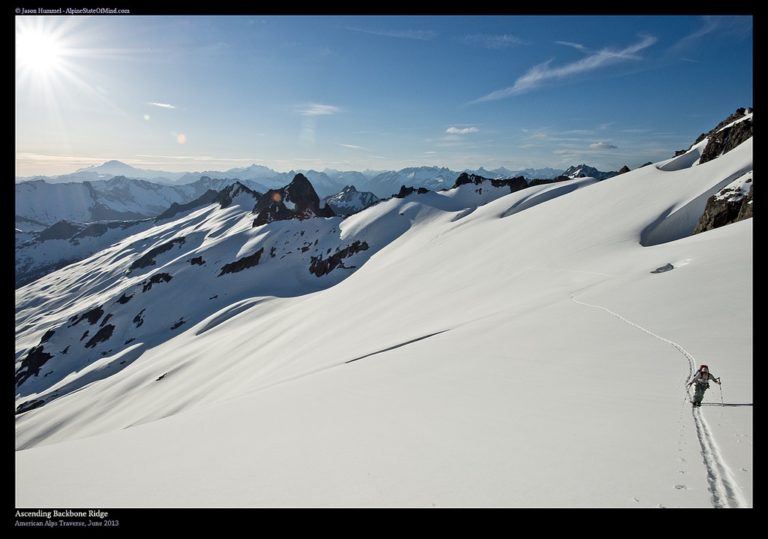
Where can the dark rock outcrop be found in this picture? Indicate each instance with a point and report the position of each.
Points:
(242, 263)
(725, 208)
(197, 261)
(405, 191)
(148, 258)
(662, 269)
(740, 112)
(722, 142)
(180, 322)
(30, 365)
(101, 336)
(156, 279)
(746, 208)
(48, 334)
(515, 184)
(92, 316)
(297, 200)
(29, 405)
(139, 318)
(319, 266)
(623, 170)
(124, 299)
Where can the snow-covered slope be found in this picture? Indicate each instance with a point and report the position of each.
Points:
(47, 251)
(187, 269)
(520, 353)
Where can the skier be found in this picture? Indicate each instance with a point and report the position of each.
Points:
(701, 379)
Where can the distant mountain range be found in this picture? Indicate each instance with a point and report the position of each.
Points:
(117, 191)
(327, 182)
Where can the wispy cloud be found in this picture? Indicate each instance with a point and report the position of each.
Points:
(162, 105)
(738, 25)
(420, 35)
(355, 147)
(493, 41)
(316, 109)
(602, 146)
(577, 46)
(461, 130)
(310, 113)
(544, 72)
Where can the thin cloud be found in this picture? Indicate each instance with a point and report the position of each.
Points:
(461, 130)
(493, 41)
(162, 105)
(316, 109)
(602, 146)
(355, 147)
(420, 35)
(738, 25)
(544, 72)
(577, 46)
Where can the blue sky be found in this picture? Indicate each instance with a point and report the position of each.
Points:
(372, 92)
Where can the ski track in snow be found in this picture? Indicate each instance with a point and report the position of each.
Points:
(724, 489)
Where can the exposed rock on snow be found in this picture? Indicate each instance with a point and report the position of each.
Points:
(92, 316)
(155, 279)
(319, 266)
(726, 139)
(31, 364)
(148, 258)
(664, 268)
(514, 184)
(405, 191)
(101, 336)
(731, 204)
(242, 263)
(299, 195)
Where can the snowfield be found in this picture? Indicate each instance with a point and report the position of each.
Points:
(488, 349)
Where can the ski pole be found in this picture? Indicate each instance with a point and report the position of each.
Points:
(721, 392)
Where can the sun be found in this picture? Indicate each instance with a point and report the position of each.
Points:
(38, 52)
(43, 49)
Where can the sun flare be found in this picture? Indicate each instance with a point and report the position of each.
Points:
(38, 52)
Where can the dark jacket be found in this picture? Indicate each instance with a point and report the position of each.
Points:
(703, 378)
